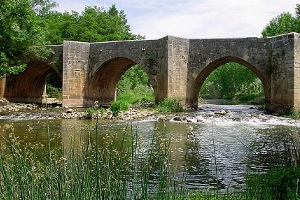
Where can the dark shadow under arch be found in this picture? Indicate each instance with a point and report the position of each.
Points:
(29, 85)
(215, 64)
(104, 80)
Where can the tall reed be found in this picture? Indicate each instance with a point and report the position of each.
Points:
(118, 166)
(96, 168)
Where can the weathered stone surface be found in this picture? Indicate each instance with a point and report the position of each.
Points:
(176, 67)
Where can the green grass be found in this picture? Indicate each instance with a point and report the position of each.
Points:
(278, 183)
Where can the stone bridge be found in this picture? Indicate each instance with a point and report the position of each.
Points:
(176, 67)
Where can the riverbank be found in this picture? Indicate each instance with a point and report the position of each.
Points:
(206, 114)
(23, 111)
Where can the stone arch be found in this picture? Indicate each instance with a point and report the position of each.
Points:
(29, 85)
(104, 79)
(206, 71)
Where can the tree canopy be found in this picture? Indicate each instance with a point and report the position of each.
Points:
(230, 81)
(94, 24)
(21, 32)
(28, 24)
(283, 23)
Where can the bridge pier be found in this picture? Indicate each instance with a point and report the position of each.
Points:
(75, 73)
(176, 68)
(285, 73)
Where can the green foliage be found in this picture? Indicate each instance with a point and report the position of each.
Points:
(20, 33)
(89, 113)
(88, 168)
(42, 7)
(53, 92)
(28, 26)
(117, 106)
(54, 86)
(294, 113)
(283, 23)
(170, 105)
(229, 81)
(253, 98)
(132, 78)
(134, 87)
(94, 24)
(279, 183)
(93, 112)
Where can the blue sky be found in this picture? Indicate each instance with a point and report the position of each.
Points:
(192, 18)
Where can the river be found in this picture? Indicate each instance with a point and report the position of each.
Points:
(211, 149)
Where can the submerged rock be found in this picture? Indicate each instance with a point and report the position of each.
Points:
(162, 118)
(192, 119)
(69, 110)
(220, 112)
(177, 118)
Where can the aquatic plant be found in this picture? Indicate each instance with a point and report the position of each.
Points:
(282, 182)
(114, 166)
(89, 168)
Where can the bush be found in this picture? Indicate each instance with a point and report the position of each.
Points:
(134, 87)
(89, 113)
(53, 92)
(118, 106)
(170, 105)
(139, 95)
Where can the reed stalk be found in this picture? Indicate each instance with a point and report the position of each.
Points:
(96, 168)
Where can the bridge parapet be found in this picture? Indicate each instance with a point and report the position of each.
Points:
(176, 67)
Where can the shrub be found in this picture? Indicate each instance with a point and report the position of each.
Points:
(170, 105)
(53, 92)
(89, 113)
(117, 106)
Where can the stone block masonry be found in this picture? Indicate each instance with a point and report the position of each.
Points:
(176, 67)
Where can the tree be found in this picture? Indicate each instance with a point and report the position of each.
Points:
(230, 80)
(62, 26)
(283, 23)
(98, 25)
(43, 7)
(134, 86)
(19, 33)
(94, 24)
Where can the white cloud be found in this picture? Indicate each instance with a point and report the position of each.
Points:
(194, 18)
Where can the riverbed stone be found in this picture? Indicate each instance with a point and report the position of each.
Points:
(191, 119)
(220, 112)
(70, 110)
(177, 118)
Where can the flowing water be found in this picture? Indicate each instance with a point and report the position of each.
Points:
(210, 149)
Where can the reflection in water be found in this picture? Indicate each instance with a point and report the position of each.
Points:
(214, 154)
